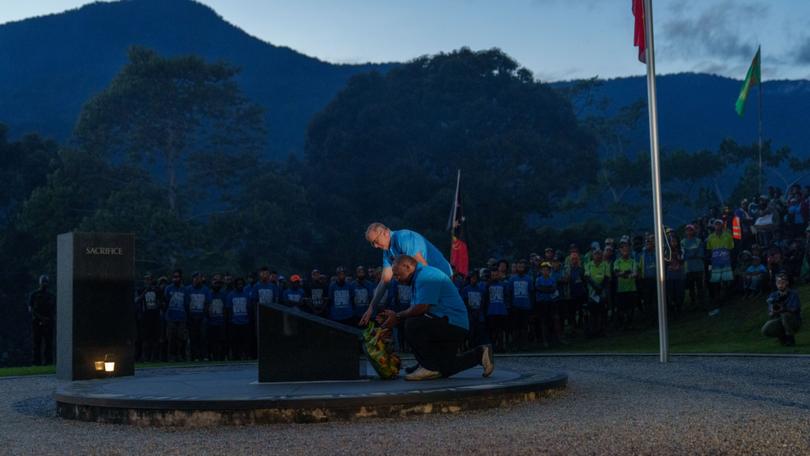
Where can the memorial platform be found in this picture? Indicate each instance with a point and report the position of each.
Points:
(232, 395)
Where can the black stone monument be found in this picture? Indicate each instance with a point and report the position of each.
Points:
(298, 346)
(95, 316)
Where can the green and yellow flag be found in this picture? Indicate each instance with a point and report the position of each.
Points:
(753, 77)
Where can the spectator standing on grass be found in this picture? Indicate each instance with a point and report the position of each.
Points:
(625, 269)
(694, 266)
(597, 276)
(199, 297)
(215, 321)
(239, 309)
(497, 315)
(42, 306)
(675, 276)
(719, 246)
(574, 289)
(754, 277)
(547, 297)
(317, 293)
(340, 299)
(521, 289)
(648, 283)
(176, 297)
(294, 295)
(474, 296)
(784, 313)
(150, 300)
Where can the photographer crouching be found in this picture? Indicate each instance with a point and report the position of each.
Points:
(784, 310)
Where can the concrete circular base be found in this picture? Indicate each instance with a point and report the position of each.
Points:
(231, 395)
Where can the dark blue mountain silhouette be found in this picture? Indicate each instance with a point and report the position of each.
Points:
(51, 65)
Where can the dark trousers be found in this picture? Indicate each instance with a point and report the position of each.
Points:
(216, 342)
(435, 344)
(195, 336)
(694, 283)
(42, 333)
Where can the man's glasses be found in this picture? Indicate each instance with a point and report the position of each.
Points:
(373, 242)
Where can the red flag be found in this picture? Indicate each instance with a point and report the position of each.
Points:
(638, 35)
(459, 256)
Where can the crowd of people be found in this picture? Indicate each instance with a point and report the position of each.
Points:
(756, 249)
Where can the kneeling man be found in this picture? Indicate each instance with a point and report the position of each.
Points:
(436, 324)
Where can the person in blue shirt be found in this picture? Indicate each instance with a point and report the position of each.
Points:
(497, 309)
(265, 291)
(362, 291)
(199, 297)
(474, 296)
(340, 299)
(293, 296)
(521, 291)
(215, 319)
(547, 295)
(784, 313)
(394, 243)
(176, 317)
(436, 324)
(239, 310)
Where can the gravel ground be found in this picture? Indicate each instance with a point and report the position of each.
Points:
(613, 405)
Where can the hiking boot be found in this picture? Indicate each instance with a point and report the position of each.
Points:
(487, 360)
(423, 374)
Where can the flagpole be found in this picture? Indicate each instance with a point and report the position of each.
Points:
(663, 337)
(455, 209)
(759, 116)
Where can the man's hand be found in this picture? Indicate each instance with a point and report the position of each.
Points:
(366, 316)
(390, 319)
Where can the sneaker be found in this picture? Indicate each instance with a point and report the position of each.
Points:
(487, 360)
(423, 374)
(714, 313)
(411, 369)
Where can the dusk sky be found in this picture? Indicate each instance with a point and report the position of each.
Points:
(556, 39)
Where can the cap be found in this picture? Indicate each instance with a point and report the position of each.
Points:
(690, 227)
(340, 269)
(44, 279)
(549, 249)
(595, 245)
(545, 264)
(295, 278)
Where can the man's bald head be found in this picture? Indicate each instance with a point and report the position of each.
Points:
(403, 268)
(378, 235)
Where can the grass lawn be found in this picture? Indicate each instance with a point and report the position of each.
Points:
(734, 330)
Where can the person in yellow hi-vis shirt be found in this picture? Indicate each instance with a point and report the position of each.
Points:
(626, 270)
(719, 244)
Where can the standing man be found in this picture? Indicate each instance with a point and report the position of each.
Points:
(199, 298)
(42, 305)
(436, 325)
(340, 299)
(176, 317)
(393, 244)
(150, 302)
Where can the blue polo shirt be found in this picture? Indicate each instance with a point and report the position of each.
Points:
(293, 296)
(362, 292)
(407, 242)
(433, 287)
(177, 300)
(239, 307)
(197, 299)
(216, 310)
(497, 298)
(340, 301)
(263, 293)
(520, 289)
